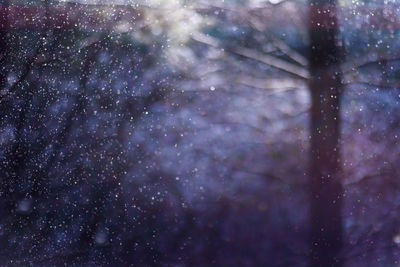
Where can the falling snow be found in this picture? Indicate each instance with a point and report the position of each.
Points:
(178, 133)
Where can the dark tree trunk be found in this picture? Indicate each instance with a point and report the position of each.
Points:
(325, 85)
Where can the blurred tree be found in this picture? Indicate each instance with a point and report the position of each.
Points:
(325, 86)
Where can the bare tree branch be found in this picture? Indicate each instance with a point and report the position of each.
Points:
(376, 60)
(271, 61)
(381, 86)
(290, 52)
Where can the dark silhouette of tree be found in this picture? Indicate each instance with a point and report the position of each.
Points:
(325, 86)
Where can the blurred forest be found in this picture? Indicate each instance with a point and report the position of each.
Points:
(199, 133)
